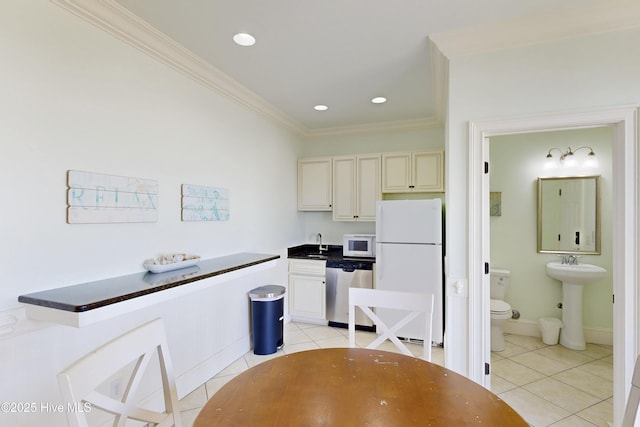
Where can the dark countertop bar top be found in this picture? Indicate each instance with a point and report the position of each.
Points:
(88, 296)
(333, 254)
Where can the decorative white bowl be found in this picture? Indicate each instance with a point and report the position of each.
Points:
(161, 268)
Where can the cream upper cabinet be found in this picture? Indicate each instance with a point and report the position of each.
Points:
(407, 172)
(356, 187)
(314, 184)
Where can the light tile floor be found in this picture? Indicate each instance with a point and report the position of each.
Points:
(547, 385)
(555, 386)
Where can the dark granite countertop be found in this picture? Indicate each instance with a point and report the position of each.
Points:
(88, 296)
(332, 255)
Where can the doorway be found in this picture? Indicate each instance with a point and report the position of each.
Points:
(517, 161)
(567, 384)
(625, 240)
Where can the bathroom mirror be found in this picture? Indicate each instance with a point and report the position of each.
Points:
(569, 215)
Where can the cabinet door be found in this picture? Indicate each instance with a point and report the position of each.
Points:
(367, 187)
(344, 188)
(396, 172)
(314, 184)
(428, 171)
(307, 296)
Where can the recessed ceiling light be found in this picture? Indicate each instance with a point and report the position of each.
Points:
(244, 39)
(379, 100)
(320, 107)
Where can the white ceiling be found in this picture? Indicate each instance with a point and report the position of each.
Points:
(342, 53)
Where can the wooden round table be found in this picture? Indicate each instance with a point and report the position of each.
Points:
(354, 387)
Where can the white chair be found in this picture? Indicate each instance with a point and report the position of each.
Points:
(414, 303)
(136, 348)
(631, 411)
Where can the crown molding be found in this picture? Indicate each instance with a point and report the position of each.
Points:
(399, 125)
(609, 15)
(113, 18)
(118, 21)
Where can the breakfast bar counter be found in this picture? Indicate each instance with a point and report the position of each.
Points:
(104, 298)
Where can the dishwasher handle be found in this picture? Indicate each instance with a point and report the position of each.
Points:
(348, 269)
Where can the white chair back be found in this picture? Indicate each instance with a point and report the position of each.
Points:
(631, 411)
(79, 382)
(414, 303)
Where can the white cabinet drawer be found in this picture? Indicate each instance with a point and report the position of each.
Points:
(308, 267)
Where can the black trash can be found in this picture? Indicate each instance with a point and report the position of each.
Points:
(267, 318)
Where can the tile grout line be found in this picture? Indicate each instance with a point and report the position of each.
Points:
(327, 333)
(592, 358)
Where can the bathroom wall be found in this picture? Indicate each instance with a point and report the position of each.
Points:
(516, 163)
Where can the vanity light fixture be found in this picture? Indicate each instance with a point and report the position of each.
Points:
(321, 107)
(244, 39)
(379, 100)
(567, 158)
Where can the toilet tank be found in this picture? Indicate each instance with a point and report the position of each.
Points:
(499, 283)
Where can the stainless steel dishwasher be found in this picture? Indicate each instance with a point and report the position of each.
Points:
(340, 276)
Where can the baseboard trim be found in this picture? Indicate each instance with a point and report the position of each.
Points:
(530, 328)
(195, 377)
(305, 319)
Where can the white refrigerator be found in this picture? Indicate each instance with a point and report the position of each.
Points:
(409, 258)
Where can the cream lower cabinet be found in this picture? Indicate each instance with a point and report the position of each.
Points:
(307, 291)
(314, 184)
(356, 187)
(408, 172)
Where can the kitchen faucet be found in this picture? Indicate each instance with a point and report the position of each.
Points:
(320, 248)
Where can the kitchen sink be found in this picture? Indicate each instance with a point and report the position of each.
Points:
(316, 256)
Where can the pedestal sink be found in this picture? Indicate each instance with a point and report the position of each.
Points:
(573, 278)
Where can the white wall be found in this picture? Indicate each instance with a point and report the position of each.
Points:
(374, 142)
(516, 163)
(590, 72)
(584, 73)
(76, 98)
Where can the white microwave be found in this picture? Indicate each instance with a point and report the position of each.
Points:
(363, 245)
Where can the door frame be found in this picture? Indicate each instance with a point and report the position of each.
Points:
(626, 238)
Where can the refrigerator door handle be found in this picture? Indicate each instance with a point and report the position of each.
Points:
(379, 268)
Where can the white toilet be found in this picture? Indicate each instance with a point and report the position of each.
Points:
(500, 310)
